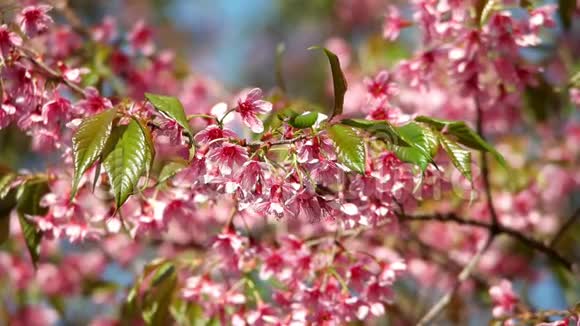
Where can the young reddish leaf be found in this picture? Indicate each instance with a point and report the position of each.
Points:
(88, 143)
(349, 146)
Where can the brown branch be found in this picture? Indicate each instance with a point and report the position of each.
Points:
(453, 218)
(49, 72)
(497, 229)
(462, 277)
(485, 165)
(278, 142)
(571, 220)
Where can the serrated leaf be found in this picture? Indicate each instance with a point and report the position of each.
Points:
(420, 137)
(88, 143)
(171, 169)
(349, 146)
(338, 81)
(126, 161)
(28, 197)
(6, 184)
(464, 135)
(461, 158)
(412, 155)
(381, 130)
(172, 108)
(304, 120)
(150, 148)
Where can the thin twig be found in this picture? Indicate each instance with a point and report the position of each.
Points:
(278, 142)
(498, 229)
(571, 220)
(50, 72)
(462, 277)
(453, 218)
(485, 165)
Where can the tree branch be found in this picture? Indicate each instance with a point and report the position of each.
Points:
(571, 220)
(49, 72)
(498, 229)
(462, 277)
(485, 165)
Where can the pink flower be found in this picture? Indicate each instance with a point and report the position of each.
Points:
(230, 246)
(575, 96)
(542, 17)
(393, 24)
(7, 111)
(211, 133)
(141, 38)
(305, 205)
(56, 110)
(264, 315)
(250, 104)
(504, 299)
(227, 157)
(381, 85)
(276, 265)
(106, 32)
(31, 315)
(252, 177)
(93, 102)
(33, 20)
(8, 40)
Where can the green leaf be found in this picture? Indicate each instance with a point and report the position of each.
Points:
(464, 135)
(172, 108)
(338, 81)
(150, 148)
(7, 204)
(382, 130)
(156, 310)
(28, 197)
(350, 147)
(422, 138)
(171, 169)
(304, 120)
(484, 9)
(6, 184)
(88, 143)
(412, 155)
(126, 161)
(461, 158)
